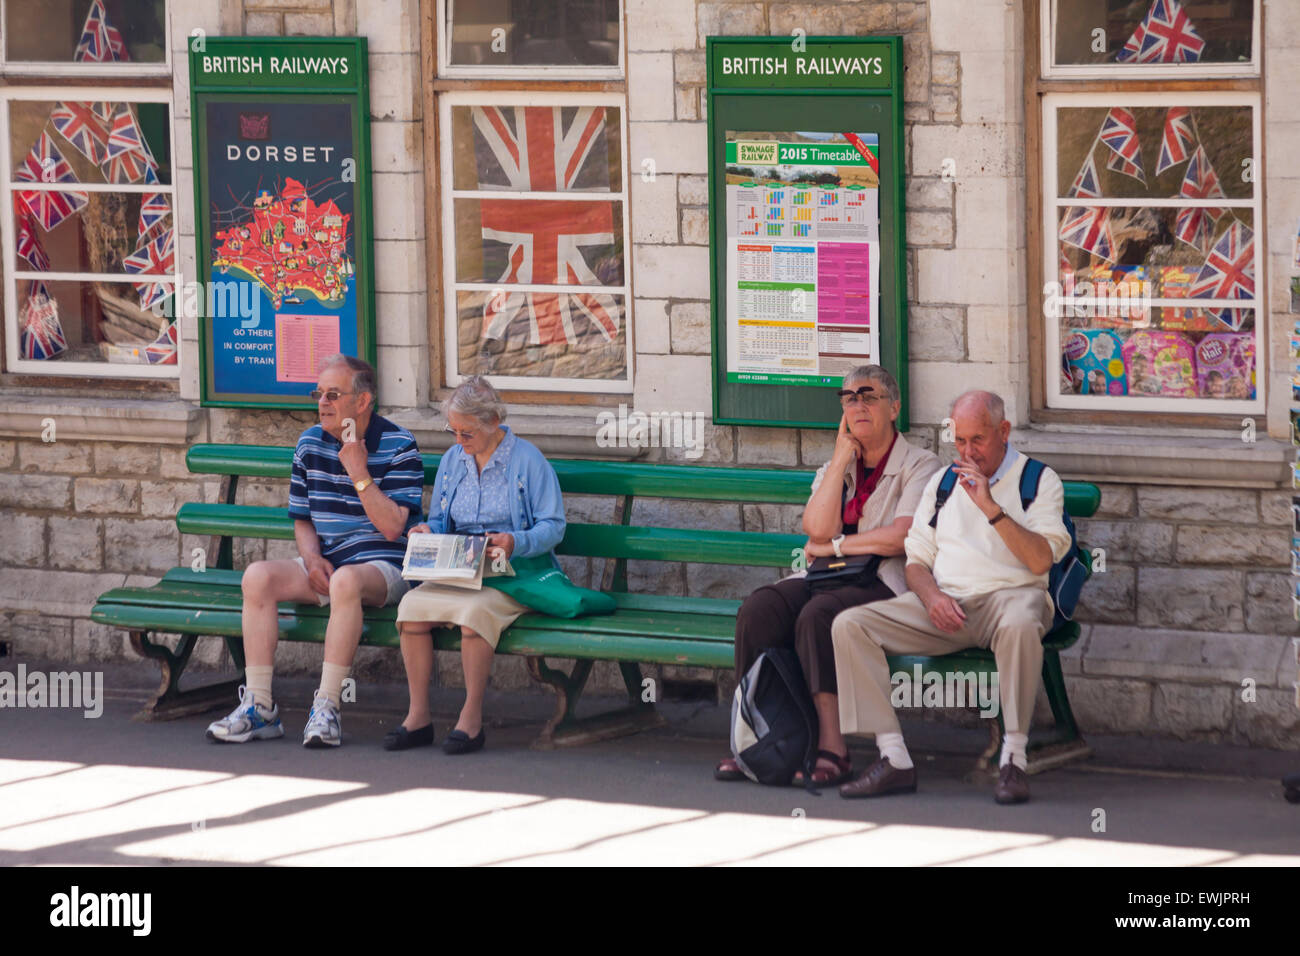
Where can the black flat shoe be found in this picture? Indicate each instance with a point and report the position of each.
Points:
(399, 738)
(458, 742)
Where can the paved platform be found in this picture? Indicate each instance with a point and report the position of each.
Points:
(113, 791)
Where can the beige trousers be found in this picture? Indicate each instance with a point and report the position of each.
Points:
(1011, 622)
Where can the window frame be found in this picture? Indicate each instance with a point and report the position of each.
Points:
(1042, 364)
(1145, 71)
(73, 69)
(15, 365)
(523, 71)
(452, 373)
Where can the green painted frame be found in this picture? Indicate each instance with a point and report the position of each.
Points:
(355, 92)
(797, 405)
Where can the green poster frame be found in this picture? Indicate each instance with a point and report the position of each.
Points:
(788, 99)
(351, 88)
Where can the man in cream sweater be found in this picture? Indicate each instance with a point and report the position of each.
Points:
(978, 578)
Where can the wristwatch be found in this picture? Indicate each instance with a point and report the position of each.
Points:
(835, 544)
(363, 484)
(998, 517)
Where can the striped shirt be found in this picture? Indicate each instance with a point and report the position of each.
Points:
(321, 492)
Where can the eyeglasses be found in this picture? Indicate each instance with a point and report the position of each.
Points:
(332, 395)
(864, 395)
(460, 435)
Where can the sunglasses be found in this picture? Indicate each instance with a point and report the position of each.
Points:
(863, 394)
(460, 435)
(332, 395)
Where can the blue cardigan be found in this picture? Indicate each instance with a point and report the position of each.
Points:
(536, 508)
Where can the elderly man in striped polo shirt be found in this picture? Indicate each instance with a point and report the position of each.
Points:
(355, 491)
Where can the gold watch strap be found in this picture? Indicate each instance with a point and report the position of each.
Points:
(363, 484)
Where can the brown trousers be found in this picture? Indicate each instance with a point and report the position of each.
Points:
(1010, 622)
(786, 613)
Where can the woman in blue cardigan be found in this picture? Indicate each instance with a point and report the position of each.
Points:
(490, 480)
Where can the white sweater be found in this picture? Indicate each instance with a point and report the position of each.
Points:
(966, 553)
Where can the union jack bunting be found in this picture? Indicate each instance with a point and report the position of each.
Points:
(45, 164)
(162, 350)
(28, 245)
(1085, 184)
(40, 334)
(155, 257)
(154, 208)
(82, 127)
(1195, 226)
(1229, 269)
(1165, 35)
(1175, 146)
(1119, 132)
(126, 157)
(1088, 229)
(100, 43)
(546, 241)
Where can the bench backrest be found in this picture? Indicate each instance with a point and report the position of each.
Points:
(622, 480)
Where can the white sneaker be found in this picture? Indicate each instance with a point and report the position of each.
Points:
(246, 722)
(322, 728)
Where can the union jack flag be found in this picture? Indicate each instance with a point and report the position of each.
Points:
(1229, 269)
(1088, 229)
(127, 156)
(45, 164)
(155, 257)
(100, 43)
(154, 208)
(40, 334)
(546, 241)
(80, 125)
(1195, 226)
(28, 244)
(1085, 184)
(1119, 132)
(162, 350)
(1179, 136)
(1165, 35)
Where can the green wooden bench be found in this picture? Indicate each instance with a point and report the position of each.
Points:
(646, 628)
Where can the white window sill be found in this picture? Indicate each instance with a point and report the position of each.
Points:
(153, 420)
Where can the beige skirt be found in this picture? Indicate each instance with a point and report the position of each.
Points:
(487, 612)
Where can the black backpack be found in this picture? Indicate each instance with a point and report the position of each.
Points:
(773, 723)
(1066, 577)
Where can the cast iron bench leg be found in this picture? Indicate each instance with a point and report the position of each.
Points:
(170, 701)
(1062, 744)
(564, 729)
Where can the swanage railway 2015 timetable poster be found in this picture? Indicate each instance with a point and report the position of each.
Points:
(803, 255)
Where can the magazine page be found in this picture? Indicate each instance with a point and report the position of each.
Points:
(444, 557)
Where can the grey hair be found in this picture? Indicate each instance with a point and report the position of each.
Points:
(875, 373)
(363, 373)
(477, 398)
(991, 402)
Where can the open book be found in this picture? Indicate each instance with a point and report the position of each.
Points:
(456, 559)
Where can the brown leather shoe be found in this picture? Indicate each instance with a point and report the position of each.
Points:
(1013, 785)
(881, 779)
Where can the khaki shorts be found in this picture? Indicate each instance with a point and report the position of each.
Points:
(397, 585)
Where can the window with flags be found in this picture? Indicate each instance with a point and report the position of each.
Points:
(534, 190)
(89, 231)
(1152, 254)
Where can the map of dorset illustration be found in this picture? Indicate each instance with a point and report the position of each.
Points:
(289, 245)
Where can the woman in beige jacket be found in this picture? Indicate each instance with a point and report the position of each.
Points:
(867, 509)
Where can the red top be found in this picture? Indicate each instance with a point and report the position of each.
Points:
(863, 488)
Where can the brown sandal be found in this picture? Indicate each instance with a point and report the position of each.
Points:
(821, 777)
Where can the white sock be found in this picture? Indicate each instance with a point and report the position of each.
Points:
(1014, 747)
(257, 682)
(331, 681)
(892, 746)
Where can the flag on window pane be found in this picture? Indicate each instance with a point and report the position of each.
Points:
(82, 127)
(1089, 229)
(1196, 226)
(1229, 269)
(162, 350)
(547, 241)
(28, 244)
(127, 156)
(1165, 35)
(155, 257)
(154, 208)
(1119, 132)
(45, 164)
(1176, 145)
(1085, 184)
(40, 334)
(100, 42)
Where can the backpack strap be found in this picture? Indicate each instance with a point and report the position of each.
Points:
(946, 484)
(1029, 479)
